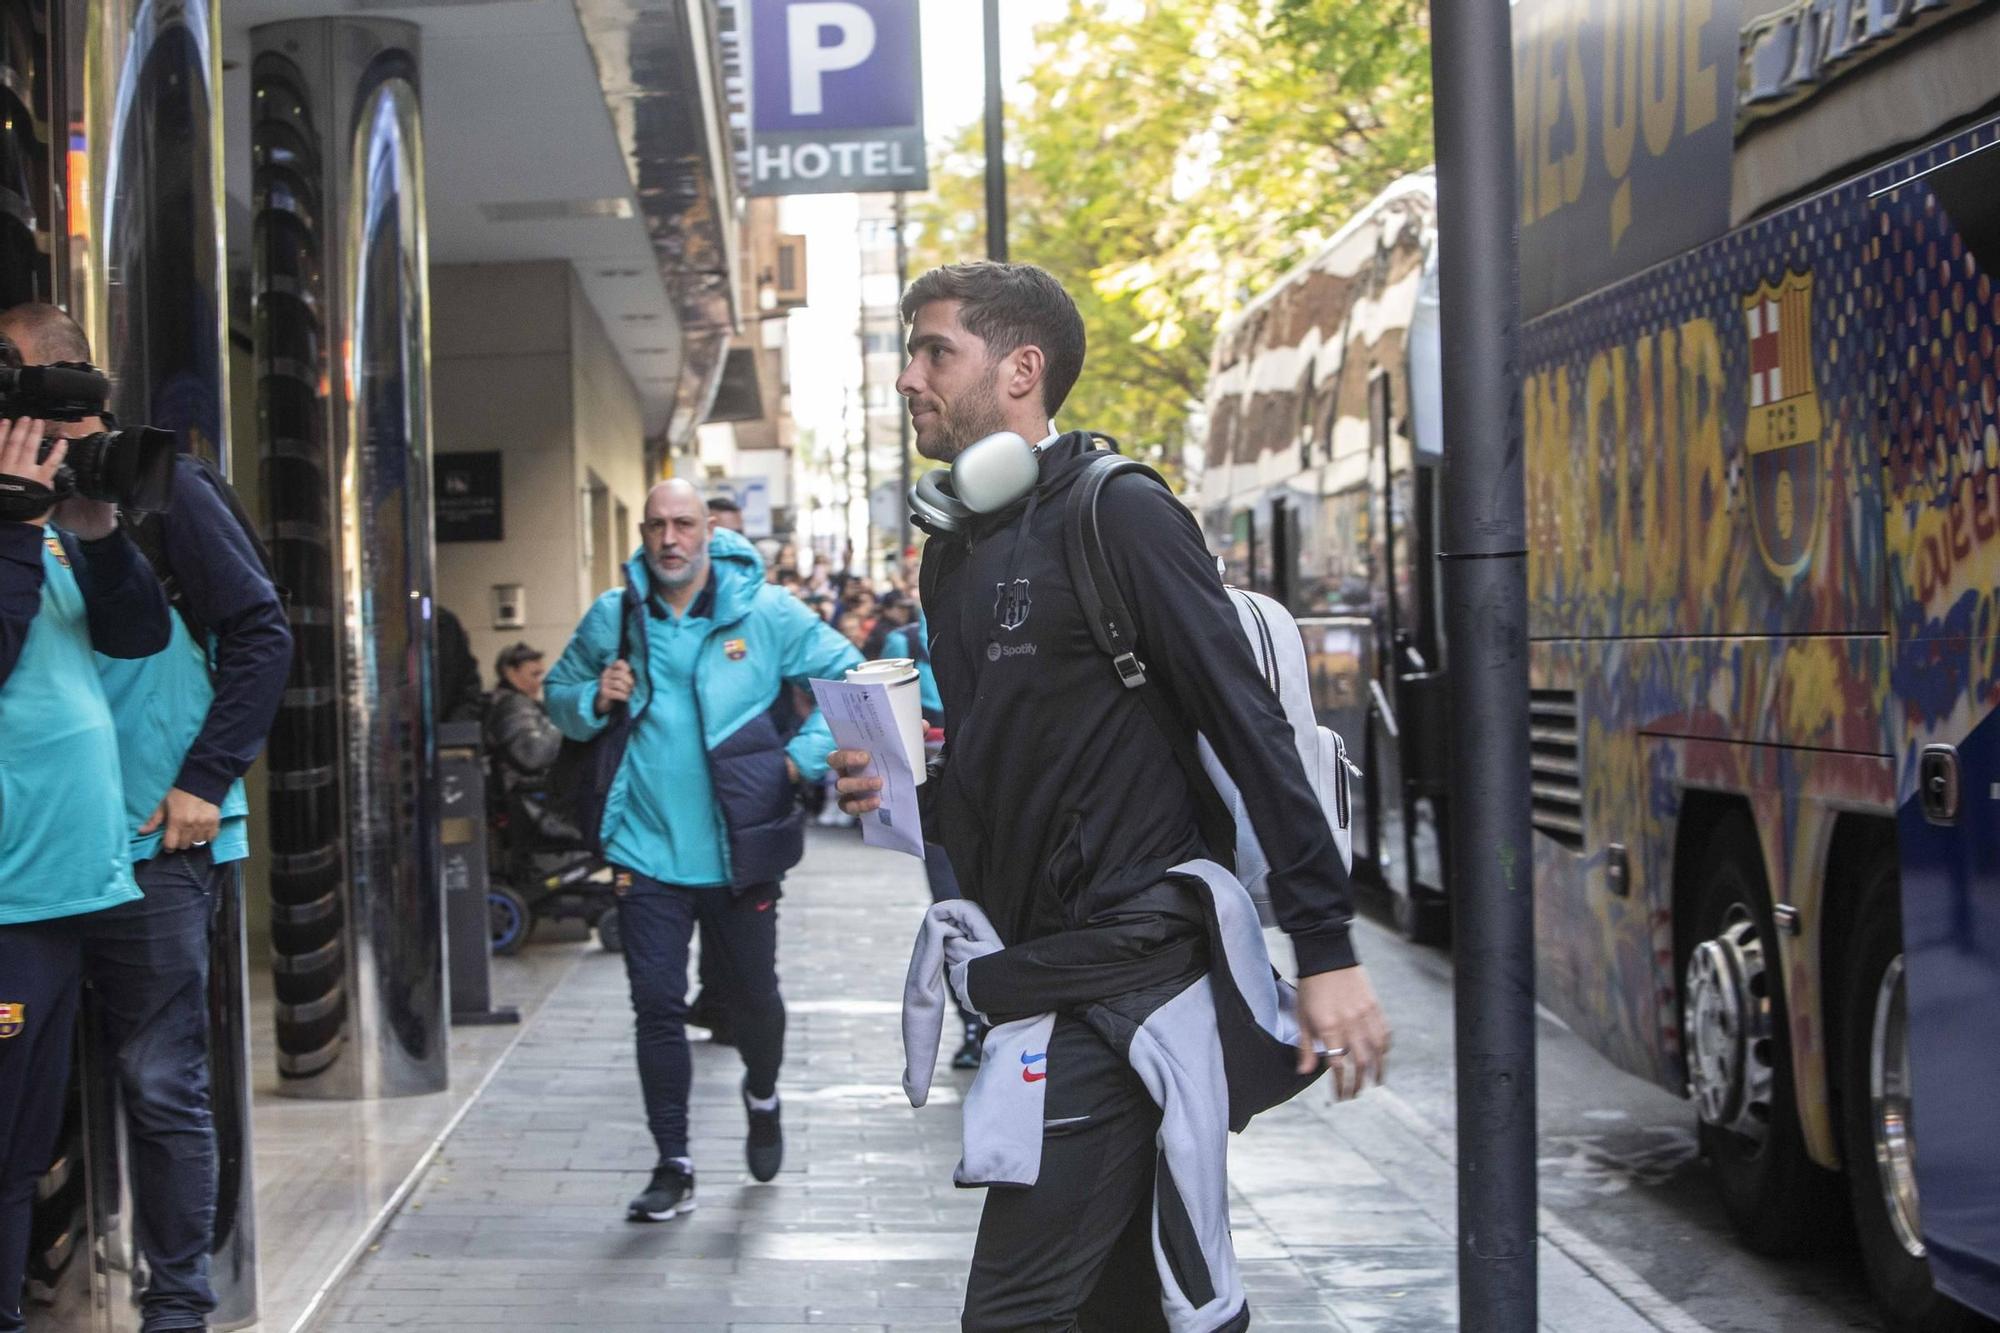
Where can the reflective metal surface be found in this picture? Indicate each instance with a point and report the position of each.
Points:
(657, 62)
(232, 1256)
(146, 248)
(342, 327)
(30, 156)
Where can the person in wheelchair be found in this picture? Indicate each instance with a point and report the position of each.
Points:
(521, 744)
(543, 866)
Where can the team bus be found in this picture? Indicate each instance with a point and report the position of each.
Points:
(1760, 274)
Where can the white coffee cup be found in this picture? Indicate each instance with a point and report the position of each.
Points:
(898, 675)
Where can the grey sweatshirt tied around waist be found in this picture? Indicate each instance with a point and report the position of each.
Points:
(1211, 1055)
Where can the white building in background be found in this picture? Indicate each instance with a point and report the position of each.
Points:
(881, 340)
(849, 354)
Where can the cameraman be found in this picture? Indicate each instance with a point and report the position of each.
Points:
(63, 591)
(190, 719)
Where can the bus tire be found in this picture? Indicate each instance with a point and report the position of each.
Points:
(1874, 1115)
(1738, 1045)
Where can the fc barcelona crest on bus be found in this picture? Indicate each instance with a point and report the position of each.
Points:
(1782, 435)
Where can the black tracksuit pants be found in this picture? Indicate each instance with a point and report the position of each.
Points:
(1074, 1251)
(657, 920)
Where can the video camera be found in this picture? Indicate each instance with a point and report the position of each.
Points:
(131, 467)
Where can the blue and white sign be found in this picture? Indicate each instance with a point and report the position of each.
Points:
(836, 97)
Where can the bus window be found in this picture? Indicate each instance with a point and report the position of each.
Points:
(1344, 541)
(1239, 550)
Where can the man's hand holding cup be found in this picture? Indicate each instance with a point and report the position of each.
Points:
(858, 795)
(614, 686)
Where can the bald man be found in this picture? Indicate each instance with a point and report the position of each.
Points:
(698, 817)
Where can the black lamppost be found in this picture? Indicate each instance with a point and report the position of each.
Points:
(1486, 601)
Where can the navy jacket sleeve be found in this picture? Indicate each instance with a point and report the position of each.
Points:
(1188, 631)
(122, 597)
(20, 589)
(222, 580)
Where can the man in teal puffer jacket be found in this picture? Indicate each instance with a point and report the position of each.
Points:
(700, 820)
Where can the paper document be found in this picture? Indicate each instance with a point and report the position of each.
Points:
(861, 718)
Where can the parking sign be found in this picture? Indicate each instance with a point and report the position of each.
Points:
(836, 95)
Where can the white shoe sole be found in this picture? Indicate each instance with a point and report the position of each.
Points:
(640, 1215)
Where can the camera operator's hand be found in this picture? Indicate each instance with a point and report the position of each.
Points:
(614, 686)
(88, 520)
(20, 441)
(857, 794)
(189, 820)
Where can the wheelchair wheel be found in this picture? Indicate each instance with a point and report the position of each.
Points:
(508, 918)
(608, 934)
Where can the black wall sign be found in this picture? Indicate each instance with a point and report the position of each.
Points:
(465, 496)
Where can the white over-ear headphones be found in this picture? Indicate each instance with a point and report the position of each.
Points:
(988, 476)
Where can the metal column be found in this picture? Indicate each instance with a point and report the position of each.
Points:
(343, 381)
(903, 541)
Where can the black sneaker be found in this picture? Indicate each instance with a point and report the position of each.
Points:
(670, 1194)
(970, 1053)
(764, 1148)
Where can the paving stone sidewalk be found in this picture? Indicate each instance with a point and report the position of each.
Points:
(1342, 1216)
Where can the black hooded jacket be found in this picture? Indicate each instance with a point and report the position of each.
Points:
(1057, 797)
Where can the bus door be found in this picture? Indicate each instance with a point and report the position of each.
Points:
(1282, 543)
(1408, 735)
(1947, 991)
(1337, 623)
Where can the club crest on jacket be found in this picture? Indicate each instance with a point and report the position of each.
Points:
(1011, 604)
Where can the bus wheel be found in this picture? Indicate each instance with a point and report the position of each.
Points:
(1875, 1126)
(1739, 1056)
(610, 935)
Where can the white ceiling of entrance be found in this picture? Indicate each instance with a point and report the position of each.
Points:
(521, 159)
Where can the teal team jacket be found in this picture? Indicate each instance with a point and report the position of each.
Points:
(159, 704)
(62, 814)
(702, 796)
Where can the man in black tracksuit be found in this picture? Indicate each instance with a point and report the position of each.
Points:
(1062, 805)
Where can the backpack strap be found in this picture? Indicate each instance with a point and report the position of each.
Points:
(633, 605)
(1104, 611)
(1116, 633)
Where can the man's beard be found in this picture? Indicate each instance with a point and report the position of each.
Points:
(976, 416)
(673, 580)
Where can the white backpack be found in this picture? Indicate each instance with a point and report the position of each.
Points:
(1274, 642)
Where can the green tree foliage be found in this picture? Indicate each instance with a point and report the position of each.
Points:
(1172, 158)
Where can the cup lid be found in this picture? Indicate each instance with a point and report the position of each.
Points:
(885, 665)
